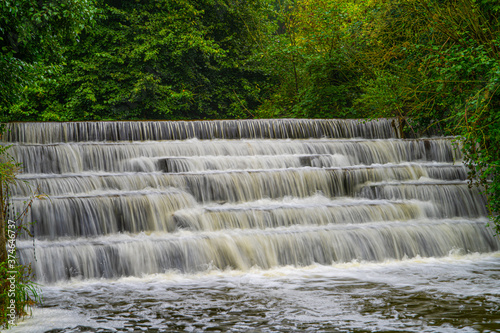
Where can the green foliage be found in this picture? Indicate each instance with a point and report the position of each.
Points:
(443, 73)
(157, 59)
(432, 63)
(34, 34)
(311, 58)
(23, 293)
(331, 90)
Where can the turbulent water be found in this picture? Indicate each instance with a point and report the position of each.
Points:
(257, 225)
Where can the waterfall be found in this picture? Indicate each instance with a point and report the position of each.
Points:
(135, 198)
(182, 130)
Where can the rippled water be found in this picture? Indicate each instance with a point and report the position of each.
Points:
(452, 294)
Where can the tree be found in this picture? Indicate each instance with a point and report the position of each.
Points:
(311, 55)
(33, 37)
(164, 59)
(441, 72)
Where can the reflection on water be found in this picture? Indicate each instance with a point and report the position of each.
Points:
(451, 294)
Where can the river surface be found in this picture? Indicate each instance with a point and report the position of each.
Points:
(457, 293)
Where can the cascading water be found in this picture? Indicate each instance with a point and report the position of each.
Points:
(296, 207)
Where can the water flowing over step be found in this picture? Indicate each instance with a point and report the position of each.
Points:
(115, 257)
(135, 198)
(196, 155)
(182, 130)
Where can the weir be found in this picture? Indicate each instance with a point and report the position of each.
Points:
(136, 198)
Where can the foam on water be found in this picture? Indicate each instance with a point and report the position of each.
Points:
(355, 296)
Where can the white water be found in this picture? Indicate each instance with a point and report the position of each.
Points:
(291, 225)
(450, 294)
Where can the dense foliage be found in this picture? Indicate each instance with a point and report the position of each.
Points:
(33, 37)
(313, 56)
(441, 69)
(169, 59)
(434, 64)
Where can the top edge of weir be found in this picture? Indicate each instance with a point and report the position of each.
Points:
(52, 132)
(195, 120)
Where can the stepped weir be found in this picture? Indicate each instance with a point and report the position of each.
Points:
(134, 199)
